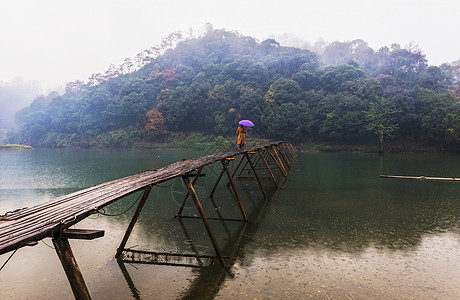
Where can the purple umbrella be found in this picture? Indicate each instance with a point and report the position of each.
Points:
(246, 123)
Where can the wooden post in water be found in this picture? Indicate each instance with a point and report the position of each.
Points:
(263, 153)
(238, 199)
(179, 213)
(257, 177)
(284, 157)
(211, 195)
(259, 159)
(292, 151)
(145, 195)
(268, 168)
(244, 167)
(237, 166)
(277, 163)
(71, 269)
(288, 153)
(204, 218)
(279, 160)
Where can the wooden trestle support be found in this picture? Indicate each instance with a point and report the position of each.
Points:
(283, 155)
(278, 156)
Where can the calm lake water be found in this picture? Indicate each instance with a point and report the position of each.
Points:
(335, 230)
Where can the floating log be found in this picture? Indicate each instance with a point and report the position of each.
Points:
(421, 177)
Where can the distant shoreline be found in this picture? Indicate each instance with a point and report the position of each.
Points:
(396, 146)
(15, 147)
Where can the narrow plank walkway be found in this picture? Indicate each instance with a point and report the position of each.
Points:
(46, 219)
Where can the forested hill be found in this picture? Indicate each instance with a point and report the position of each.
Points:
(206, 84)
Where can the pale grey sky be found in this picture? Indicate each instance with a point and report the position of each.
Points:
(57, 41)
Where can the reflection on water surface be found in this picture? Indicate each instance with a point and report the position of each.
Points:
(335, 230)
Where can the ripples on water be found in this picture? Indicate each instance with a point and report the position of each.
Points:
(335, 230)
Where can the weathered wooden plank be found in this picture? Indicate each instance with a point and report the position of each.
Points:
(74, 205)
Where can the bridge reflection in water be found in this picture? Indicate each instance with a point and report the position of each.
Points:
(211, 276)
(52, 219)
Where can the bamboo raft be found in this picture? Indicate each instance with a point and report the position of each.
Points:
(24, 227)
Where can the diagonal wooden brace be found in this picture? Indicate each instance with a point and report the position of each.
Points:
(179, 213)
(235, 191)
(257, 176)
(145, 195)
(204, 218)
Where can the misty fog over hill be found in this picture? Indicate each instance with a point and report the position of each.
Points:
(348, 92)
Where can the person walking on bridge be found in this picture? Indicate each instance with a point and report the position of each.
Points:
(241, 132)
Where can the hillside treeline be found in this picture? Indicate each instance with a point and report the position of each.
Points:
(207, 84)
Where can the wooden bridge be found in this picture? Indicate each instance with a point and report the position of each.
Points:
(24, 227)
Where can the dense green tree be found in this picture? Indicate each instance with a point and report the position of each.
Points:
(333, 78)
(369, 89)
(284, 91)
(403, 66)
(287, 121)
(435, 79)
(345, 120)
(175, 110)
(404, 100)
(287, 61)
(251, 104)
(382, 119)
(439, 116)
(306, 79)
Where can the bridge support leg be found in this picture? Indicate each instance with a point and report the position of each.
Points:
(179, 213)
(268, 168)
(284, 156)
(258, 163)
(237, 166)
(244, 167)
(293, 151)
(257, 177)
(204, 218)
(217, 182)
(280, 161)
(288, 152)
(238, 199)
(280, 167)
(145, 195)
(71, 269)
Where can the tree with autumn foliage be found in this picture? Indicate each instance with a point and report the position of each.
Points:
(155, 123)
